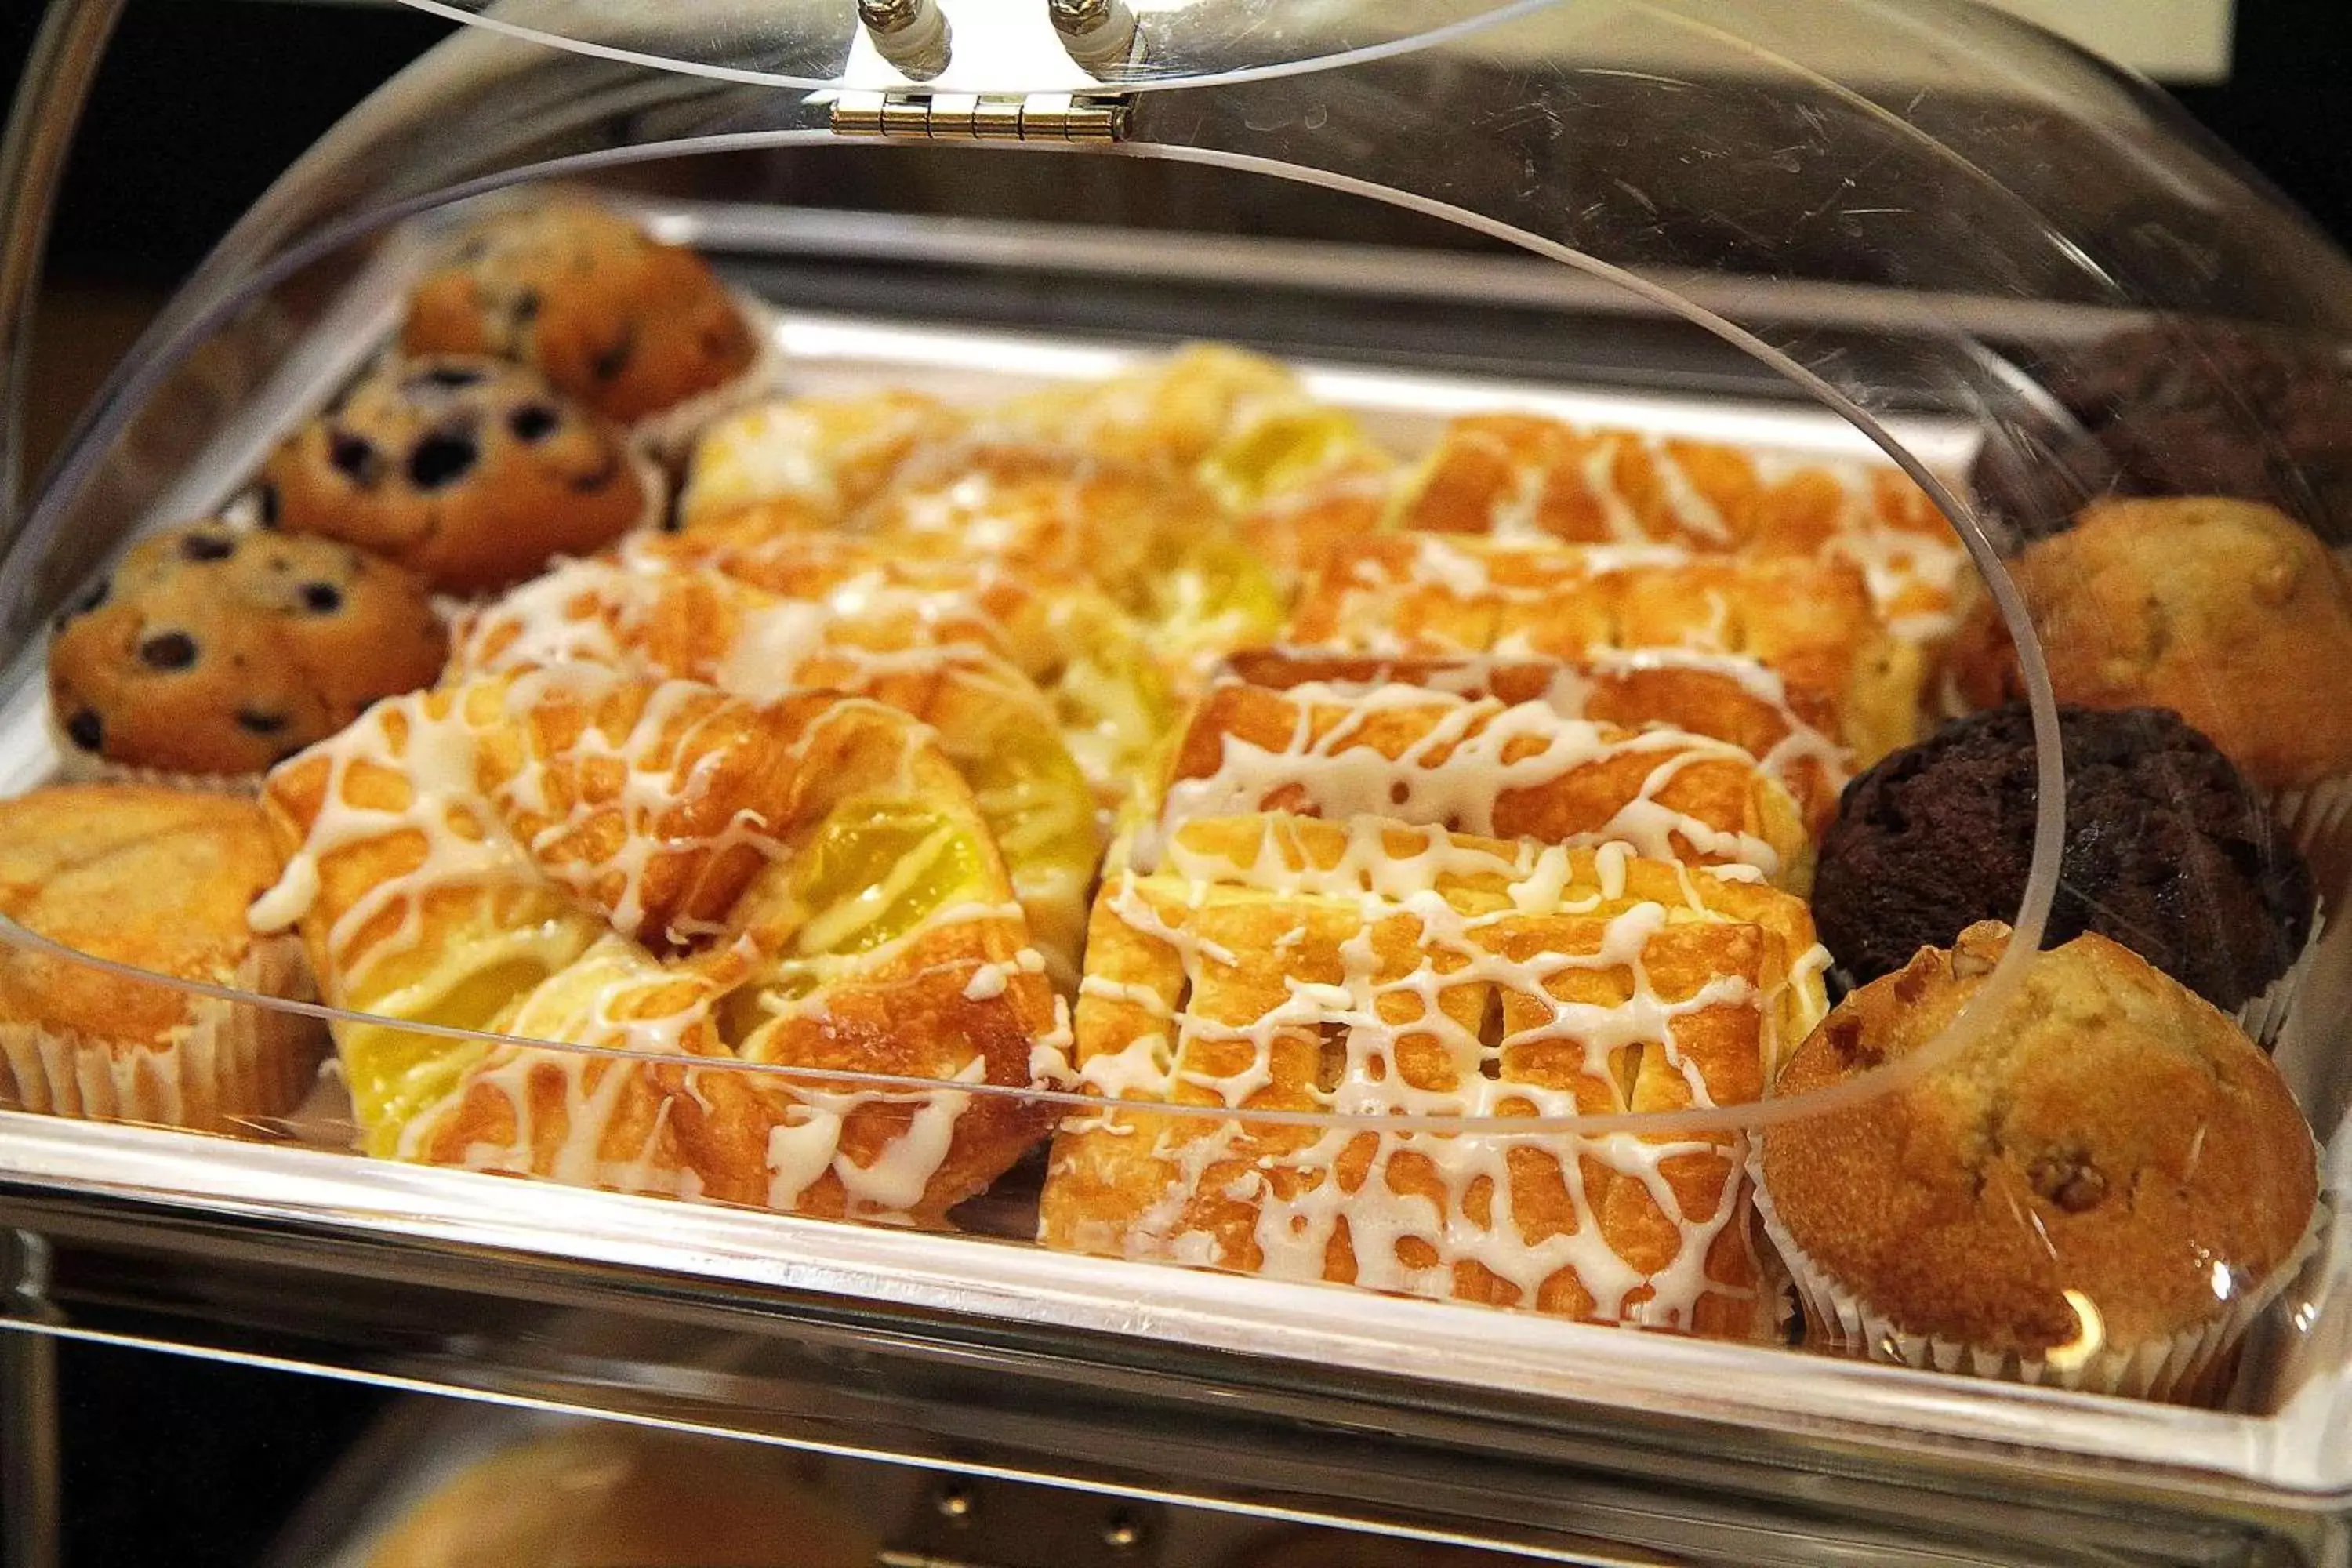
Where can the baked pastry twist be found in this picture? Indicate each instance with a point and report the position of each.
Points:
(647, 617)
(1480, 766)
(580, 856)
(1724, 697)
(1529, 476)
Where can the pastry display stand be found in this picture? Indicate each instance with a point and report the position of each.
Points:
(983, 1358)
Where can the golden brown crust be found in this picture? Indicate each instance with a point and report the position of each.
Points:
(155, 879)
(2110, 1134)
(1811, 620)
(1537, 477)
(210, 652)
(608, 314)
(1196, 979)
(471, 472)
(1768, 720)
(2217, 609)
(1524, 774)
(1047, 512)
(681, 821)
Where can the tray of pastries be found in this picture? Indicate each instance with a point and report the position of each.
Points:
(1181, 811)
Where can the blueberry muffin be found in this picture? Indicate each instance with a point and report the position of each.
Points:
(609, 315)
(2102, 1188)
(472, 472)
(208, 651)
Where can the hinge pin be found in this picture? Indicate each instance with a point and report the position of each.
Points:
(985, 117)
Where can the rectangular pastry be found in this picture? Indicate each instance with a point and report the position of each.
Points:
(1479, 766)
(1280, 965)
(1811, 620)
(1529, 476)
(1725, 697)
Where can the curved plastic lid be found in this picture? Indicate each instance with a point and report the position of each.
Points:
(982, 45)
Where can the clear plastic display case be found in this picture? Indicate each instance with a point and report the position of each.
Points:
(1321, 929)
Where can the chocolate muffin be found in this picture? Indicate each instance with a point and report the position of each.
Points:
(2168, 850)
(2182, 407)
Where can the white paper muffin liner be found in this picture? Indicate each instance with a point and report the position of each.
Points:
(2313, 818)
(2266, 1016)
(670, 434)
(231, 1063)
(2180, 1368)
(78, 766)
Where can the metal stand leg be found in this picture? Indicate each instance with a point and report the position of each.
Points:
(31, 1477)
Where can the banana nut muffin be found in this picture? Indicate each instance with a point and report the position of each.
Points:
(2108, 1177)
(2223, 611)
(156, 880)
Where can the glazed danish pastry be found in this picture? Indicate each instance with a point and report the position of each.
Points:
(1279, 963)
(1171, 413)
(1529, 476)
(1157, 543)
(1722, 696)
(1090, 657)
(819, 458)
(1478, 766)
(699, 624)
(580, 856)
(1810, 621)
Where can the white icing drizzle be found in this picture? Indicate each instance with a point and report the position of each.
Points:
(486, 811)
(1387, 1018)
(807, 1143)
(1911, 570)
(1471, 754)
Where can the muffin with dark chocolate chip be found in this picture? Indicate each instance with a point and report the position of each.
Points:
(610, 316)
(473, 472)
(2168, 850)
(210, 653)
(2101, 1187)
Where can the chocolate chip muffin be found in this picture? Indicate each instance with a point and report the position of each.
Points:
(609, 315)
(470, 471)
(2181, 408)
(2168, 850)
(208, 651)
(2223, 611)
(2100, 1189)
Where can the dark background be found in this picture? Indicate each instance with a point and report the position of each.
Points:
(200, 103)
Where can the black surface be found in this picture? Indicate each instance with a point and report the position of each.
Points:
(202, 102)
(195, 1464)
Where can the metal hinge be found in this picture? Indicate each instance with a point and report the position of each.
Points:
(981, 117)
